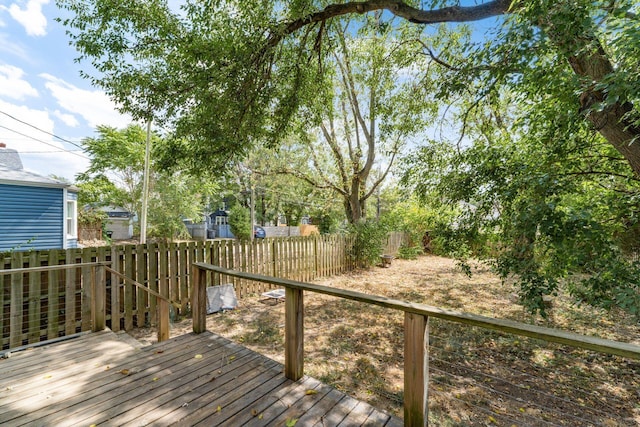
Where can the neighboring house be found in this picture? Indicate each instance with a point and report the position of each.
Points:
(119, 223)
(220, 223)
(36, 212)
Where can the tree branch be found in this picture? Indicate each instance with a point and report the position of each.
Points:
(397, 8)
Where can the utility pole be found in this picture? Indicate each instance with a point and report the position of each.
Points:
(253, 209)
(145, 187)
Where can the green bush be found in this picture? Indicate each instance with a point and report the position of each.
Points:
(409, 252)
(239, 221)
(91, 216)
(369, 243)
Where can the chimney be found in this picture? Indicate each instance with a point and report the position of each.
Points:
(9, 158)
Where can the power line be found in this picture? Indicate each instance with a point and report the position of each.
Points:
(62, 150)
(44, 142)
(41, 130)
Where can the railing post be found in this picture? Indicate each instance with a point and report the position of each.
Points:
(294, 334)
(416, 369)
(163, 320)
(199, 300)
(163, 289)
(99, 291)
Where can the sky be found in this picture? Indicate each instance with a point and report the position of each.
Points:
(45, 106)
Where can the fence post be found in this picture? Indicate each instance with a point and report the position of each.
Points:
(294, 334)
(98, 289)
(416, 369)
(199, 300)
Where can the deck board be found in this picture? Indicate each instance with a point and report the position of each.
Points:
(101, 379)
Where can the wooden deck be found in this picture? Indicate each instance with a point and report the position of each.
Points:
(102, 379)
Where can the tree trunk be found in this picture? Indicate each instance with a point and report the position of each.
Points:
(354, 207)
(588, 60)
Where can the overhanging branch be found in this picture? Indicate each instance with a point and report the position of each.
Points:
(397, 8)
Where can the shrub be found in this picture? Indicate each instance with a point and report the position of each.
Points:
(239, 221)
(409, 252)
(370, 240)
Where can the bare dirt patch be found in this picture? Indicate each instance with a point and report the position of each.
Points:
(477, 377)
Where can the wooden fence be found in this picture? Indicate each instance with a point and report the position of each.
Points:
(41, 305)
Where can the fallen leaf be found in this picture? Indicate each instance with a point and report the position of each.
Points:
(219, 408)
(492, 420)
(155, 378)
(260, 416)
(198, 356)
(291, 422)
(159, 351)
(254, 412)
(107, 368)
(231, 357)
(522, 410)
(46, 377)
(310, 392)
(124, 372)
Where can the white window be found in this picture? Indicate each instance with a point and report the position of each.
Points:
(72, 219)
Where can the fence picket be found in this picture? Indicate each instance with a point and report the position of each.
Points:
(3, 279)
(128, 288)
(115, 311)
(15, 321)
(53, 301)
(33, 318)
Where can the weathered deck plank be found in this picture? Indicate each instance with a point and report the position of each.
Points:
(189, 380)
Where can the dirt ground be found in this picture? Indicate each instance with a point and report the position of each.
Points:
(477, 377)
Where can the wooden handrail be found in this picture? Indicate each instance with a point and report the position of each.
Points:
(53, 267)
(163, 306)
(601, 345)
(141, 286)
(416, 332)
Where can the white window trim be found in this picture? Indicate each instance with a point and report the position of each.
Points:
(73, 233)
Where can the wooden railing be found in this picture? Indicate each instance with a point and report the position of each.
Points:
(416, 330)
(26, 327)
(162, 306)
(28, 306)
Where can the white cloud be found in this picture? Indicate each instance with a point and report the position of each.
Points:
(40, 152)
(31, 17)
(8, 45)
(92, 105)
(68, 119)
(12, 84)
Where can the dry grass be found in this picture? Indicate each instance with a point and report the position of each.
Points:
(478, 377)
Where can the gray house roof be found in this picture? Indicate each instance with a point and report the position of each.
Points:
(22, 177)
(12, 172)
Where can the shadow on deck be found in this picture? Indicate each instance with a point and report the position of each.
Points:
(100, 378)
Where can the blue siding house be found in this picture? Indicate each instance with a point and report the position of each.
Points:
(36, 212)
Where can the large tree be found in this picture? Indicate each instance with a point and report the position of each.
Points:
(251, 64)
(374, 101)
(540, 197)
